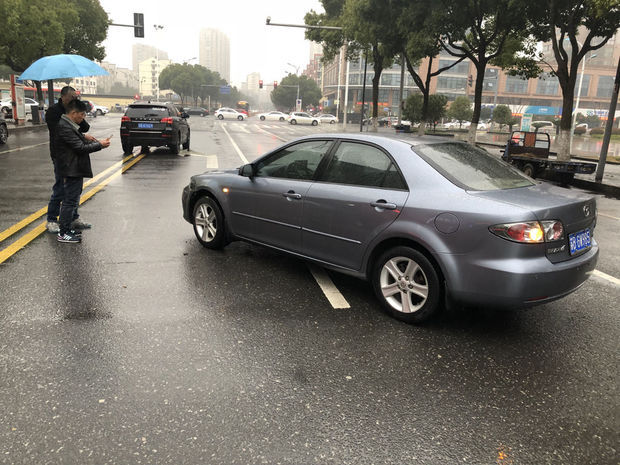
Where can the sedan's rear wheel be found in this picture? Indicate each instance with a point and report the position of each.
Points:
(209, 223)
(407, 284)
(332, 121)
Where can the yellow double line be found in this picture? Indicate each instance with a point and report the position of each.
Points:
(20, 243)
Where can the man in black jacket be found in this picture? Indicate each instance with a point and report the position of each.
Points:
(52, 117)
(72, 160)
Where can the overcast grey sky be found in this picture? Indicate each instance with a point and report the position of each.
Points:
(253, 45)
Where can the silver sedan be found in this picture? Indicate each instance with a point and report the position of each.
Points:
(425, 220)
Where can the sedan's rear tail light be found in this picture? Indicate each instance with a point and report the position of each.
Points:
(554, 231)
(530, 232)
(167, 120)
(125, 119)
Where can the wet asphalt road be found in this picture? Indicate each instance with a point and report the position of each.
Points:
(140, 346)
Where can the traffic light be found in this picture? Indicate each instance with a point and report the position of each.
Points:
(275, 84)
(138, 25)
(470, 80)
(260, 84)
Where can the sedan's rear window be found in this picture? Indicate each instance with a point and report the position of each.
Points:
(144, 111)
(470, 167)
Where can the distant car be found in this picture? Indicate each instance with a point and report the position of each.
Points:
(154, 125)
(327, 118)
(426, 220)
(4, 130)
(299, 117)
(118, 108)
(229, 113)
(197, 111)
(100, 110)
(273, 116)
(6, 107)
(543, 126)
(392, 121)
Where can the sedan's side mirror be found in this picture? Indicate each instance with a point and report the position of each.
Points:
(247, 170)
(185, 115)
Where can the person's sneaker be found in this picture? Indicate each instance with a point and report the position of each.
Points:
(80, 224)
(53, 227)
(69, 237)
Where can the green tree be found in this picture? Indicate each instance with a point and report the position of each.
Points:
(367, 25)
(32, 29)
(413, 108)
(561, 21)
(486, 32)
(435, 111)
(285, 94)
(460, 110)
(502, 115)
(181, 78)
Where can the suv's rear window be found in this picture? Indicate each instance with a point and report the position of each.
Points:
(144, 111)
(471, 167)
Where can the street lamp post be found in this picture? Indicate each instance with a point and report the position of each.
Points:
(572, 126)
(158, 27)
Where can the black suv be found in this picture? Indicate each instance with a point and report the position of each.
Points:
(154, 125)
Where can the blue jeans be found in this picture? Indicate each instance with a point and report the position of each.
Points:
(72, 188)
(53, 208)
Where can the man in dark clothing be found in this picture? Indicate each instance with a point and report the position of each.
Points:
(72, 162)
(52, 117)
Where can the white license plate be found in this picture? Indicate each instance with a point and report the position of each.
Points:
(579, 241)
(145, 125)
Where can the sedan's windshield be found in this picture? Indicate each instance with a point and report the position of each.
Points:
(470, 167)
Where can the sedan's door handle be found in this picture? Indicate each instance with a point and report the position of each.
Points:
(383, 204)
(292, 195)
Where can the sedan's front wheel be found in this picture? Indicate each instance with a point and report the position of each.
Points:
(315, 122)
(209, 223)
(240, 118)
(293, 121)
(262, 118)
(407, 284)
(220, 116)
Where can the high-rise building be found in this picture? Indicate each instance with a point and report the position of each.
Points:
(214, 52)
(141, 52)
(148, 73)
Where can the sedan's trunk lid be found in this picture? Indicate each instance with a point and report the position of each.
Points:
(547, 202)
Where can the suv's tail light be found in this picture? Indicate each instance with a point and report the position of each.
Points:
(125, 119)
(531, 232)
(167, 120)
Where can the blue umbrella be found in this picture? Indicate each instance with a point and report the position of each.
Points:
(61, 66)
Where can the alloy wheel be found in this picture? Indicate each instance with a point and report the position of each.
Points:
(205, 221)
(404, 284)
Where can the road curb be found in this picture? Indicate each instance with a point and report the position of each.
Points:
(608, 190)
(33, 128)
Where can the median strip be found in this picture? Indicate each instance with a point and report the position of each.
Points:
(20, 243)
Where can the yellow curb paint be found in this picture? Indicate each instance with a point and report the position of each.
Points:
(22, 242)
(35, 216)
(19, 244)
